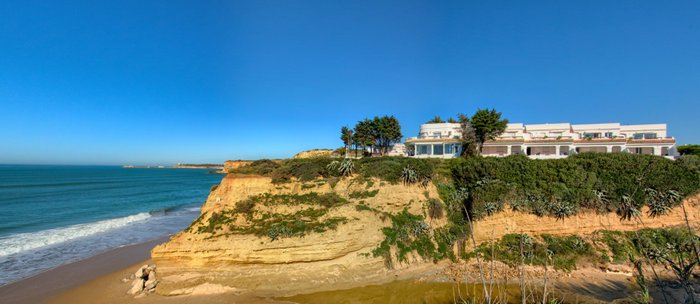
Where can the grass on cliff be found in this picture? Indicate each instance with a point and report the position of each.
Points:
(312, 219)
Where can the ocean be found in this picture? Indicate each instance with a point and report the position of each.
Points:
(53, 215)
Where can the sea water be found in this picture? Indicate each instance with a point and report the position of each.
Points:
(53, 215)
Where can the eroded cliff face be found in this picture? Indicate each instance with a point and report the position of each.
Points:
(206, 259)
(332, 259)
(583, 223)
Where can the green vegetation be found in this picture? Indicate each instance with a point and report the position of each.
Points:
(604, 182)
(260, 167)
(435, 209)
(380, 133)
(561, 252)
(435, 119)
(346, 136)
(408, 233)
(274, 225)
(689, 150)
(325, 200)
(387, 168)
(482, 126)
(363, 194)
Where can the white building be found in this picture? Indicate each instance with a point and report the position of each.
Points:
(547, 140)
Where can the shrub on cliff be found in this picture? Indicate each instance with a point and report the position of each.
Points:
(390, 168)
(303, 169)
(260, 167)
(604, 182)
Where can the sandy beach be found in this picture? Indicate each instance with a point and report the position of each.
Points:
(98, 280)
(41, 287)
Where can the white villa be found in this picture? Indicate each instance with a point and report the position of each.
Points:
(541, 141)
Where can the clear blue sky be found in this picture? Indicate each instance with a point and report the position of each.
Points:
(142, 82)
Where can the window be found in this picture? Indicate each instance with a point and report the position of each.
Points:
(437, 149)
(449, 149)
(436, 134)
(609, 134)
(591, 135)
(422, 149)
(644, 136)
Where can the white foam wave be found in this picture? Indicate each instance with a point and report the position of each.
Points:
(32, 240)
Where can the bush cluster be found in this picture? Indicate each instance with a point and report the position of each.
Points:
(561, 252)
(387, 168)
(604, 182)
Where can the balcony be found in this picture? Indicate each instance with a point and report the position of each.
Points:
(658, 140)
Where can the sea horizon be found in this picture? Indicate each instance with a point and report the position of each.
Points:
(58, 214)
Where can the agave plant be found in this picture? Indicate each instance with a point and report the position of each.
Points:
(333, 165)
(409, 175)
(419, 228)
(657, 202)
(492, 208)
(562, 210)
(346, 167)
(627, 209)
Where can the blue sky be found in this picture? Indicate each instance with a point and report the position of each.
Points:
(160, 82)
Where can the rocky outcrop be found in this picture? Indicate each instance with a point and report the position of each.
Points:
(314, 153)
(143, 281)
(235, 164)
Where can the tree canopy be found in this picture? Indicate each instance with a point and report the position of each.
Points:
(689, 150)
(346, 136)
(487, 125)
(436, 119)
(387, 131)
(380, 133)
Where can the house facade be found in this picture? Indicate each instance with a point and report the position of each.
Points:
(543, 141)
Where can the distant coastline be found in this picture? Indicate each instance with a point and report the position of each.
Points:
(179, 166)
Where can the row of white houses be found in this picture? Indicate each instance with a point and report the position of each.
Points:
(542, 141)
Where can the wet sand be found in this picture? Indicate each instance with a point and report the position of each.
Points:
(39, 288)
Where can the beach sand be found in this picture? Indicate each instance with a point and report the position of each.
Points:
(98, 280)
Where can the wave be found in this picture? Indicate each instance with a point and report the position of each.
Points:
(22, 242)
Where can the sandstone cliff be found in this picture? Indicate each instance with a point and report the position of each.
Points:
(331, 259)
(337, 252)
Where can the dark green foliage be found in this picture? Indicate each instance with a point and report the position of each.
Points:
(689, 150)
(245, 206)
(303, 169)
(562, 251)
(387, 168)
(487, 125)
(346, 136)
(619, 245)
(435, 209)
(259, 167)
(691, 162)
(390, 168)
(363, 194)
(603, 182)
(435, 119)
(387, 131)
(408, 233)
